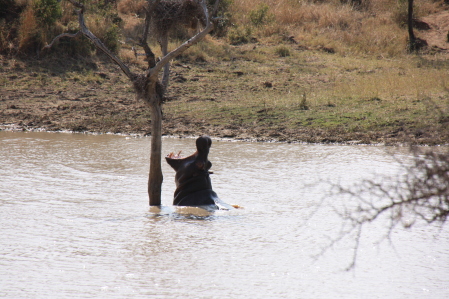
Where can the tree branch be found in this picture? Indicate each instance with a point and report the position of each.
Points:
(71, 35)
(100, 45)
(84, 30)
(196, 38)
(143, 42)
(421, 192)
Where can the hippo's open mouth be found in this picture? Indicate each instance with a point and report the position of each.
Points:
(175, 160)
(178, 158)
(172, 155)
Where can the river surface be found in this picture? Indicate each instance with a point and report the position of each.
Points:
(75, 223)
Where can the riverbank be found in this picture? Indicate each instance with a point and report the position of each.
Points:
(250, 93)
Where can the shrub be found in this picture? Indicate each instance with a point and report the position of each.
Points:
(111, 38)
(224, 17)
(5, 7)
(38, 25)
(47, 11)
(102, 20)
(282, 51)
(106, 31)
(10, 12)
(239, 35)
(260, 15)
(30, 36)
(79, 45)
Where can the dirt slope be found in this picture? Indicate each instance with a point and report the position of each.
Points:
(437, 35)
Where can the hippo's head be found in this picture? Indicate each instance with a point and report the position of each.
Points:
(177, 162)
(193, 185)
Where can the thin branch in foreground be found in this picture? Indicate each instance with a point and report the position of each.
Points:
(422, 192)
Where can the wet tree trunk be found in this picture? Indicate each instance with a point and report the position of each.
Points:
(155, 177)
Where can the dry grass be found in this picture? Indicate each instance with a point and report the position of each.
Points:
(377, 29)
(346, 95)
(132, 28)
(28, 30)
(410, 83)
(134, 7)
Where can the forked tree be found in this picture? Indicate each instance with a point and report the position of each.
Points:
(163, 16)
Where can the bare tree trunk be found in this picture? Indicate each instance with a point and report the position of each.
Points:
(411, 34)
(164, 47)
(155, 178)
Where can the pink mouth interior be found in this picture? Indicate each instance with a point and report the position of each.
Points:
(175, 156)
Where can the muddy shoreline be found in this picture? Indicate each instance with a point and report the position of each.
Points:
(94, 97)
(218, 137)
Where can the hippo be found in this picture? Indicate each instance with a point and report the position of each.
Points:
(193, 184)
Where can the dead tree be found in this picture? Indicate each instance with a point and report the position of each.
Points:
(414, 43)
(411, 34)
(147, 84)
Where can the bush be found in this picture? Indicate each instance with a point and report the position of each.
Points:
(102, 20)
(239, 35)
(9, 21)
(111, 36)
(30, 33)
(5, 7)
(38, 25)
(47, 12)
(400, 14)
(79, 45)
(282, 51)
(224, 17)
(260, 15)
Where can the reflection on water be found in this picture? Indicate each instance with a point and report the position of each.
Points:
(76, 223)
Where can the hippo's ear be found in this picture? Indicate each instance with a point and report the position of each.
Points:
(174, 163)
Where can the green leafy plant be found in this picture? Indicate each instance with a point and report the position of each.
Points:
(260, 16)
(303, 103)
(282, 51)
(224, 17)
(239, 35)
(47, 11)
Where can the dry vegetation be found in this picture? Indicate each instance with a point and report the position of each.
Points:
(375, 27)
(318, 71)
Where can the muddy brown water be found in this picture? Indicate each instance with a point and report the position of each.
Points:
(75, 223)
